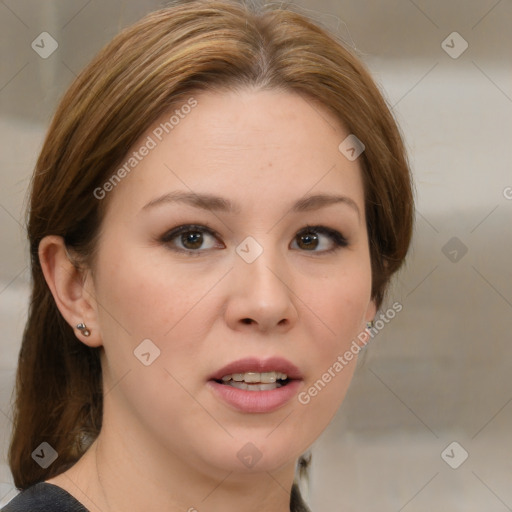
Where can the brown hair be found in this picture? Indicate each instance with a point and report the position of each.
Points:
(147, 69)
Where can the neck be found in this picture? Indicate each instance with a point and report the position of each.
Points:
(122, 472)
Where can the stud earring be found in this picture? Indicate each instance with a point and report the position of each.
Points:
(83, 329)
(369, 325)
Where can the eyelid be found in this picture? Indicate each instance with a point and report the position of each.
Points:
(184, 228)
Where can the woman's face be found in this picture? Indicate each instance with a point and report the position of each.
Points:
(238, 234)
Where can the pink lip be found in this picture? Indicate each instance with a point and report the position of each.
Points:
(257, 401)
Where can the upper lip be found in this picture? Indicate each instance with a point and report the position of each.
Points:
(254, 364)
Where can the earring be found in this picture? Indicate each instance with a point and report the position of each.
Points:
(83, 329)
(369, 325)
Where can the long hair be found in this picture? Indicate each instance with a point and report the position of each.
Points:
(147, 69)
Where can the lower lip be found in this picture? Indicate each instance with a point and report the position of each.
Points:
(256, 401)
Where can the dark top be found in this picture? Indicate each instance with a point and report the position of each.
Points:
(44, 497)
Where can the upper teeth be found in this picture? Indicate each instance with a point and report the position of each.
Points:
(265, 377)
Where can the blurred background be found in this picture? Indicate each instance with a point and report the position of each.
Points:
(427, 421)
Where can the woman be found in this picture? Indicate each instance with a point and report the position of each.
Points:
(219, 205)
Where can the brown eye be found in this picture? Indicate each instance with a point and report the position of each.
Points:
(191, 238)
(307, 241)
(319, 239)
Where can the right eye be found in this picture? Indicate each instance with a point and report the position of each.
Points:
(190, 239)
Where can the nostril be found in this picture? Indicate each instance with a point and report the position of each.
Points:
(247, 320)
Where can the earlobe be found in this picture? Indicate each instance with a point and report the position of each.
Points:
(371, 313)
(67, 282)
(365, 335)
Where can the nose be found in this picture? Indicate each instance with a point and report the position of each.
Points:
(261, 296)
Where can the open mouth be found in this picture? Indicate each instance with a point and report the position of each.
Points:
(275, 379)
(255, 381)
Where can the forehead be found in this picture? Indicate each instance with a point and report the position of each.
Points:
(248, 145)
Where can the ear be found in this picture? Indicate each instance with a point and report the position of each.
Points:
(72, 288)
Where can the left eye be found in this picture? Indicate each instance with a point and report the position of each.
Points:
(319, 239)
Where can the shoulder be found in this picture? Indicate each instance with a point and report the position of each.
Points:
(44, 497)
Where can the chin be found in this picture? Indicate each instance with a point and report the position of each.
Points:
(254, 453)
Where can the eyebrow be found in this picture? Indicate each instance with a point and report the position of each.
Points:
(217, 203)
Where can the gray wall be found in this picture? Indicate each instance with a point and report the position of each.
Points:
(439, 372)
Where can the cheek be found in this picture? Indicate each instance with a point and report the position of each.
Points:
(143, 297)
(339, 303)
(149, 299)
(335, 317)
(332, 358)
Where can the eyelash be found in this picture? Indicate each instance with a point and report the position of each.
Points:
(336, 237)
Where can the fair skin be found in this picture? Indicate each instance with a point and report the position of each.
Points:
(168, 441)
